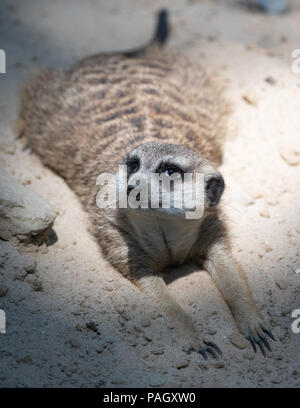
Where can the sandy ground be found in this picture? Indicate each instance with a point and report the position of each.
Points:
(72, 321)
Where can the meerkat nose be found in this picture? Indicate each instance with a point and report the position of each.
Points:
(214, 188)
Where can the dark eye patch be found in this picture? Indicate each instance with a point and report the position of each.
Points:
(133, 164)
(169, 169)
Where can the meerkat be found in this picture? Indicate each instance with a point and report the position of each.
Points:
(154, 112)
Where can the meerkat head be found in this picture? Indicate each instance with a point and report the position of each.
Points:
(171, 179)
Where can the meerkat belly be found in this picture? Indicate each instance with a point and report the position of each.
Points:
(178, 242)
(169, 242)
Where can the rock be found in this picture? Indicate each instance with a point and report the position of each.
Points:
(156, 380)
(289, 155)
(264, 211)
(138, 329)
(132, 342)
(145, 323)
(251, 97)
(148, 337)
(218, 364)
(3, 289)
(276, 379)
(123, 313)
(239, 341)
(100, 349)
(35, 283)
(24, 214)
(256, 191)
(26, 181)
(29, 265)
(270, 80)
(108, 288)
(281, 284)
(182, 363)
(21, 274)
(272, 200)
(143, 342)
(266, 247)
(93, 326)
(202, 366)
(297, 270)
(158, 350)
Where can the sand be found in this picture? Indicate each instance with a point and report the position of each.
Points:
(74, 322)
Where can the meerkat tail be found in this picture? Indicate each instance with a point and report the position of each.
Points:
(160, 37)
(162, 29)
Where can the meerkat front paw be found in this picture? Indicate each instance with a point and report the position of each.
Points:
(258, 338)
(210, 348)
(205, 347)
(255, 330)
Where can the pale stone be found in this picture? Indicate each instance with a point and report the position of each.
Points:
(238, 341)
(24, 214)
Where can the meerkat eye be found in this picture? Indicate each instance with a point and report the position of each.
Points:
(133, 165)
(172, 170)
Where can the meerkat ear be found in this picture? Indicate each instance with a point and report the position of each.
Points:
(214, 188)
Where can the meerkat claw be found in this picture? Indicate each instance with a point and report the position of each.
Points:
(211, 348)
(203, 353)
(261, 341)
(212, 352)
(265, 341)
(214, 346)
(269, 333)
(261, 346)
(252, 341)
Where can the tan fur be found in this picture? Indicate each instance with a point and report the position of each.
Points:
(83, 121)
